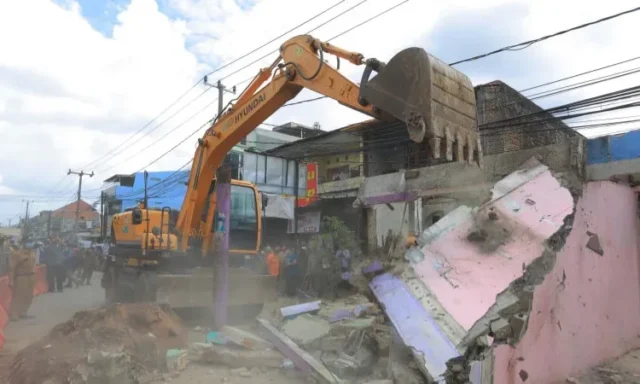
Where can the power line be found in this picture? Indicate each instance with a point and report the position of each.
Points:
(147, 133)
(580, 74)
(333, 38)
(274, 39)
(344, 32)
(146, 125)
(191, 88)
(527, 44)
(141, 151)
(369, 20)
(308, 32)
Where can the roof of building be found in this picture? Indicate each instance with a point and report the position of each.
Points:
(309, 145)
(298, 130)
(87, 212)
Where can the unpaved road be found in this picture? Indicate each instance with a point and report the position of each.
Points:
(51, 309)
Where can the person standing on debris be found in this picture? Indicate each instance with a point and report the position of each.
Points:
(292, 273)
(22, 280)
(344, 257)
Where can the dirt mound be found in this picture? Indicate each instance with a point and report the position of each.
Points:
(121, 343)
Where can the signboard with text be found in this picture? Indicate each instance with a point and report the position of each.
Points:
(312, 186)
(308, 222)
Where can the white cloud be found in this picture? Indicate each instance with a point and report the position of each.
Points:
(68, 94)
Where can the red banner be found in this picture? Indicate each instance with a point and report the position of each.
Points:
(312, 186)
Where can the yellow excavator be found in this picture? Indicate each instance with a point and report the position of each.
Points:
(158, 256)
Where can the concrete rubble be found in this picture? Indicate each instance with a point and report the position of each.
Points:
(504, 248)
(464, 289)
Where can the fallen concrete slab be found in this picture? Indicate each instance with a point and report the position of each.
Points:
(429, 345)
(306, 329)
(245, 338)
(298, 309)
(301, 359)
(233, 357)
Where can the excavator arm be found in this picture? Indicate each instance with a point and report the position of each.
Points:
(301, 64)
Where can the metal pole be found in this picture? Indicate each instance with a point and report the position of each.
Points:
(220, 96)
(221, 90)
(25, 229)
(49, 225)
(146, 207)
(102, 222)
(80, 175)
(223, 206)
(296, 192)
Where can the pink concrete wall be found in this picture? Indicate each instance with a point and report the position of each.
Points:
(466, 281)
(595, 315)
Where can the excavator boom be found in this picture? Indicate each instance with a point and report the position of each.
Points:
(434, 100)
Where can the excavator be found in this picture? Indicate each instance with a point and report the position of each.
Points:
(170, 258)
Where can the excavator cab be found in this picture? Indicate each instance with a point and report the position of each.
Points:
(436, 102)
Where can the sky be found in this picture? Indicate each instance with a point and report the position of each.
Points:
(79, 79)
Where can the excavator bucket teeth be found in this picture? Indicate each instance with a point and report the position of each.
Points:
(436, 102)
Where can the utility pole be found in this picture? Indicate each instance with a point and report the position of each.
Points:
(103, 221)
(221, 90)
(25, 224)
(223, 202)
(80, 175)
(49, 225)
(223, 206)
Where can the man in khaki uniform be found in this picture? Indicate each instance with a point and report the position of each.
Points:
(22, 279)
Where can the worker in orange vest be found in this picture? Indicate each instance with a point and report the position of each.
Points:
(273, 263)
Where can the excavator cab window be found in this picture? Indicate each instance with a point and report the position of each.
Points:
(136, 216)
(244, 218)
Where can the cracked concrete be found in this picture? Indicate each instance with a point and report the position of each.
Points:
(507, 320)
(481, 268)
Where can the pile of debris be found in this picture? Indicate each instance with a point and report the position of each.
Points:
(348, 339)
(121, 343)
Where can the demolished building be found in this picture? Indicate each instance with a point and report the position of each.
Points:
(520, 278)
(521, 263)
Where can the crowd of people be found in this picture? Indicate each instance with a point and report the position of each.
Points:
(283, 262)
(68, 264)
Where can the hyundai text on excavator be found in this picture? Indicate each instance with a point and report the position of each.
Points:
(172, 260)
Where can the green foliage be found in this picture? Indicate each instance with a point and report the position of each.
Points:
(338, 233)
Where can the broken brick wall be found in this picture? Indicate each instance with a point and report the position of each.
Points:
(466, 276)
(587, 310)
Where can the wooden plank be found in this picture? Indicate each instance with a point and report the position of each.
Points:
(301, 359)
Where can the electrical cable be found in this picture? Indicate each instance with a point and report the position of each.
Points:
(580, 74)
(141, 151)
(527, 44)
(308, 32)
(171, 105)
(223, 66)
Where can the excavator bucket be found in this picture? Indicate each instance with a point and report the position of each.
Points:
(436, 102)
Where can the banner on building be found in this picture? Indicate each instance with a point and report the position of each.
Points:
(308, 222)
(312, 186)
(279, 206)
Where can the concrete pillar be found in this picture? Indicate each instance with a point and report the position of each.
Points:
(372, 237)
(411, 216)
